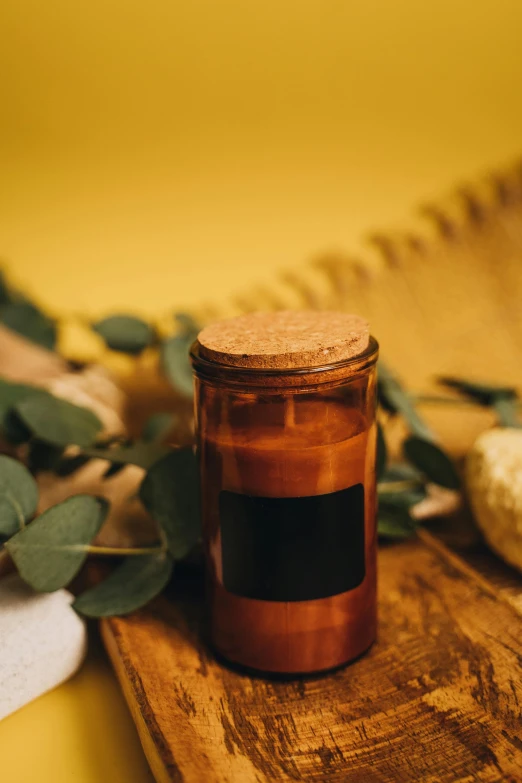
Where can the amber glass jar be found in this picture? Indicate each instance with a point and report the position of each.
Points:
(287, 453)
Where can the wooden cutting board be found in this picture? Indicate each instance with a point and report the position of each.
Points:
(438, 698)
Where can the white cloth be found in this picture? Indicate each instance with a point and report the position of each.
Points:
(42, 642)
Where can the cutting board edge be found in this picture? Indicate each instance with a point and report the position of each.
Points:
(159, 770)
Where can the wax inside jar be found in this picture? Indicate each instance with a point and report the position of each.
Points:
(300, 446)
(301, 420)
(287, 447)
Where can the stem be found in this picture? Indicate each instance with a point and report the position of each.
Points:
(92, 549)
(428, 399)
(163, 538)
(506, 409)
(398, 486)
(19, 513)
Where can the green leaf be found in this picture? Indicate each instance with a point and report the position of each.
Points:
(395, 399)
(158, 426)
(187, 324)
(401, 471)
(51, 550)
(382, 453)
(5, 294)
(14, 429)
(58, 421)
(18, 496)
(130, 586)
(170, 493)
(139, 453)
(27, 320)
(484, 394)
(432, 461)
(125, 333)
(404, 499)
(11, 393)
(394, 522)
(176, 363)
(175, 355)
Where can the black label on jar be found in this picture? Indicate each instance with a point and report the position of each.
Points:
(292, 549)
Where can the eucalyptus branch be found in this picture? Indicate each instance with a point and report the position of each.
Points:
(394, 397)
(502, 399)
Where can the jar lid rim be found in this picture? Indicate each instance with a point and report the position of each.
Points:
(285, 339)
(265, 376)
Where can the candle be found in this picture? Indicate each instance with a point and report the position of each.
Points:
(287, 454)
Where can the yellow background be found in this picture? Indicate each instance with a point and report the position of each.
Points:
(156, 154)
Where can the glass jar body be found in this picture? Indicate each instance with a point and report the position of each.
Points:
(287, 466)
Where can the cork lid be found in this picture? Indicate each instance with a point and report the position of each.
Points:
(286, 339)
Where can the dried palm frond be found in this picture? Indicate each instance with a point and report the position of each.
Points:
(443, 294)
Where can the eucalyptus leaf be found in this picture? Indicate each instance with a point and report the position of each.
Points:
(14, 429)
(187, 324)
(404, 499)
(5, 293)
(432, 461)
(10, 394)
(139, 453)
(158, 426)
(58, 421)
(401, 471)
(395, 523)
(395, 399)
(130, 586)
(18, 496)
(382, 453)
(51, 550)
(28, 320)
(125, 333)
(503, 399)
(170, 492)
(176, 363)
(484, 394)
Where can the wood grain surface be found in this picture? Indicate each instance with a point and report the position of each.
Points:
(438, 698)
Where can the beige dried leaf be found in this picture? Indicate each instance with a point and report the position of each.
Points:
(25, 362)
(127, 523)
(439, 502)
(94, 388)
